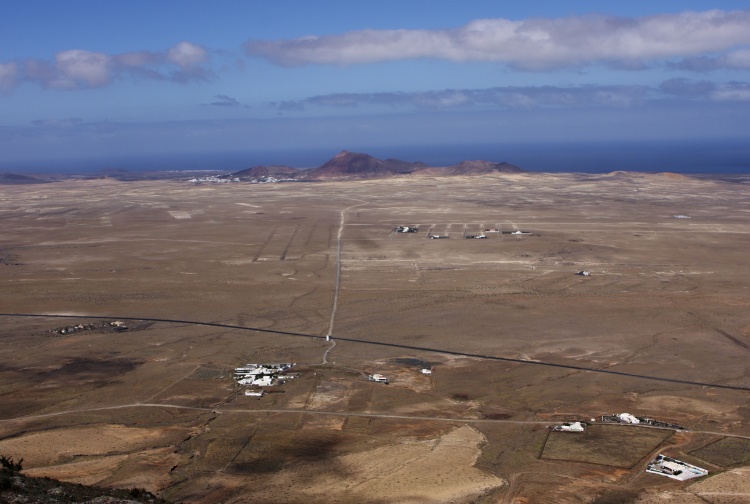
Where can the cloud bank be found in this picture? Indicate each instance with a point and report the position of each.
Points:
(78, 68)
(734, 60)
(8, 75)
(527, 97)
(504, 97)
(224, 101)
(532, 44)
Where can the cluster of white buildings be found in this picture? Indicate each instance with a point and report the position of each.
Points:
(627, 418)
(377, 377)
(675, 469)
(570, 427)
(262, 375)
(212, 179)
(406, 229)
(72, 329)
(269, 180)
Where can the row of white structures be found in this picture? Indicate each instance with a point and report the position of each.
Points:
(261, 375)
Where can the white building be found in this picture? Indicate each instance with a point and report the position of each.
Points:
(378, 378)
(675, 469)
(260, 375)
(628, 418)
(570, 427)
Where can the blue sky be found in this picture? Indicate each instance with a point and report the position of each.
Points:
(92, 79)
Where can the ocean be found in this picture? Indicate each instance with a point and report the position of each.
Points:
(725, 156)
(730, 157)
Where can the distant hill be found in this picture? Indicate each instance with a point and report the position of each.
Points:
(14, 178)
(112, 171)
(259, 172)
(355, 165)
(481, 168)
(347, 164)
(406, 166)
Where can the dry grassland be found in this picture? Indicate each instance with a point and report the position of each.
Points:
(609, 445)
(156, 406)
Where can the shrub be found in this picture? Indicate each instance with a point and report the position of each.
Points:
(10, 468)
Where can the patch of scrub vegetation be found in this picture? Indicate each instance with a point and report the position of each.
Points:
(614, 446)
(725, 452)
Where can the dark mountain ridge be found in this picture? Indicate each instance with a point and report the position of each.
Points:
(481, 167)
(356, 165)
(267, 171)
(15, 179)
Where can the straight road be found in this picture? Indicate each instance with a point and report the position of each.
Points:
(397, 345)
(430, 418)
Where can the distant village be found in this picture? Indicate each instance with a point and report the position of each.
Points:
(213, 179)
(353, 165)
(269, 375)
(228, 179)
(484, 234)
(115, 325)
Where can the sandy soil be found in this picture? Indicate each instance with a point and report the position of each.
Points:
(50, 447)
(156, 406)
(413, 471)
(85, 472)
(99, 470)
(733, 483)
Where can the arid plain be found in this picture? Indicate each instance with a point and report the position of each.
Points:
(516, 340)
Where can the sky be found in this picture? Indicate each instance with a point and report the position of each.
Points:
(152, 79)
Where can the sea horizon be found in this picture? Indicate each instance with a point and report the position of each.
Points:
(679, 156)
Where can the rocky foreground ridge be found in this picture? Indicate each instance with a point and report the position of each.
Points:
(48, 491)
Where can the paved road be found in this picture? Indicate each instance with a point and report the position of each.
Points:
(397, 345)
(339, 414)
(282, 411)
(328, 350)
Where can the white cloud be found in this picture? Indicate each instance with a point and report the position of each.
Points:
(733, 60)
(448, 99)
(224, 101)
(510, 97)
(58, 123)
(137, 59)
(732, 91)
(738, 59)
(8, 75)
(686, 88)
(531, 44)
(77, 68)
(187, 55)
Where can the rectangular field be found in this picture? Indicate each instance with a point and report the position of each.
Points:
(609, 445)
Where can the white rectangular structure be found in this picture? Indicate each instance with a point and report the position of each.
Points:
(378, 378)
(675, 469)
